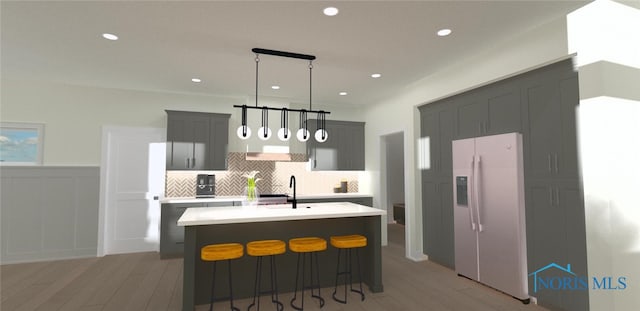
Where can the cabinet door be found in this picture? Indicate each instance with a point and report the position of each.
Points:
(200, 129)
(172, 235)
(218, 147)
(437, 214)
(471, 113)
(543, 107)
(567, 165)
(503, 109)
(351, 147)
(437, 128)
(343, 150)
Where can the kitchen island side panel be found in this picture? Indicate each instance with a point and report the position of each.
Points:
(197, 274)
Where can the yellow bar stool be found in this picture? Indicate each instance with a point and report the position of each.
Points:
(307, 246)
(348, 243)
(261, 249)
(219, 252)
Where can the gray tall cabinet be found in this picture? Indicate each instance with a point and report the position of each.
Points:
(540, 104)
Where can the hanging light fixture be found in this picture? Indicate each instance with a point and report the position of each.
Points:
(303, 133)
(284, 133)
(244, 132)
(321, 134)
(264, 133)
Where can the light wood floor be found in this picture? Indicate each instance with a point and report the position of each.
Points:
(142, 281)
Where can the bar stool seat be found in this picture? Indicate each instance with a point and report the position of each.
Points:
(348, 243)
(219, 252)
(307, 246)
(261, 249)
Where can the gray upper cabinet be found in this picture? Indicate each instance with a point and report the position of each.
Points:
(197, 141)
(491, 111)
(343, 150)
(551, 108)
(437, 129)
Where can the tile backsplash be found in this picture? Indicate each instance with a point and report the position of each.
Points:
(274, 178)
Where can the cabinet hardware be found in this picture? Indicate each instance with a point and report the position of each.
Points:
(555, 160)
(171, 154)
(193, 163)
(549, 162)
(188, 162)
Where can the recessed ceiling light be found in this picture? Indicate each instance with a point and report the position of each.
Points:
(275, 87)
(342, 93)
(444, 32)
(196, 80)
(330, 11)
(110, 36)
(376, 75)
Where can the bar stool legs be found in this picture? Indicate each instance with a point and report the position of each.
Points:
(312, 286)
(347, 274)
(274, 284)
(307, 247)
(213, 284)
(349, 243)
(261, 249)
(218, 252)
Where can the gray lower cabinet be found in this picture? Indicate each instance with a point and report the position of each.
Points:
(437, 220)
(368, 201)
(541, 105)
(343, 150)
(172, 235)
(196, 140)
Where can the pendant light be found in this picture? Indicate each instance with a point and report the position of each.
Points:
(321, 134)
(303, 133)
(244, 132)
(284, 133)
(264, 132)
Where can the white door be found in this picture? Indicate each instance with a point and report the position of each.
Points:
(132, 181)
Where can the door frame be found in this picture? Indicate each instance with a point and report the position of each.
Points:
(106, 173)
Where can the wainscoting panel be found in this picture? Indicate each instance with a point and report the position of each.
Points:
(48, 213)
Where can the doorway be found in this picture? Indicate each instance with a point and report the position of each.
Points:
(131, 183)
(394, 188)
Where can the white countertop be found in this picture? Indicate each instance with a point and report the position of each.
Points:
(240, 198)
(201, 200)
(284, 212)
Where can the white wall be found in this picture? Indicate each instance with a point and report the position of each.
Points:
(74, 115)
(538, 46)
(604, 34)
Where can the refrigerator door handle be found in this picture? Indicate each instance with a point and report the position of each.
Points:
(476, 186)
(470, 191)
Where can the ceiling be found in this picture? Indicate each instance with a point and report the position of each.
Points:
(163, 45)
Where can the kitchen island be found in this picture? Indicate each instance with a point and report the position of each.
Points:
(242, 224)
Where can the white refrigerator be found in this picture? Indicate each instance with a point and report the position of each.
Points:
(489, 215)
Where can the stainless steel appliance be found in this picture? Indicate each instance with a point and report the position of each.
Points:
(205, 186)
(489, 215)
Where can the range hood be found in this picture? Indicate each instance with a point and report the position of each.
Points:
(268, 156)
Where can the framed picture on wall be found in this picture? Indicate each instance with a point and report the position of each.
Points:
(21, 143)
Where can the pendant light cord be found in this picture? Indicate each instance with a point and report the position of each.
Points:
(257, 61)
(310, 75)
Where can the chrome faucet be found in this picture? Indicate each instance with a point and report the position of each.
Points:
(292, 183)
